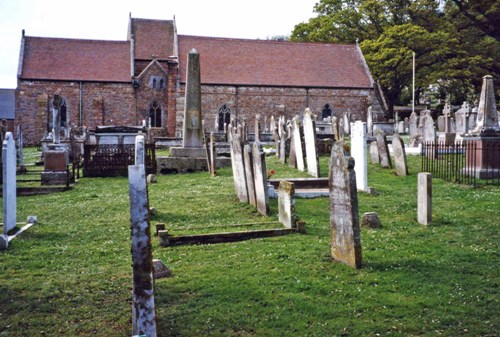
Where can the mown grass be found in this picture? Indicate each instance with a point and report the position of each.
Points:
(70, 275)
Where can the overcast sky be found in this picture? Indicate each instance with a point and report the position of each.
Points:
(108, 20)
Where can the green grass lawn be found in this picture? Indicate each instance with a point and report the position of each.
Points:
(70, 275)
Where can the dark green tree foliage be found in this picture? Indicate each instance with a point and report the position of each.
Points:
(455, 41)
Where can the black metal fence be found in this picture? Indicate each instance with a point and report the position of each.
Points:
(471, 162)
(109, 160)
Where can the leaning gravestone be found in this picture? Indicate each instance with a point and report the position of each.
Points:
(238, 166)
(398, 149)
(344, 218)
(260, 177)
(9, 188)
(383, 150)
(143, 301)
(310, 142)
(358, 152)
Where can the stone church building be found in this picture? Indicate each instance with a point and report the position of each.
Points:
(143, 78)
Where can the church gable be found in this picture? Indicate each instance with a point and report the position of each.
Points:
(153, 38)
(153, 76)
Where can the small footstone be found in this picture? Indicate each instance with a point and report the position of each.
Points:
(370, 220)
(151, 179)
(160, 269)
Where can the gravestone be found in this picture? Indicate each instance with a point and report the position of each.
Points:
(347, 123)
(248, 159)
(20, 147)
(257, 128)
(139, 150)
(370, 220)
(424, 211)
(341, 129)
(383, 149)
(286, 204)
(238, 166)
(369, 122)
(398, 149)
(260, 177)
(9, 188)
(401, 127)
(335, 127)
(211, 155)
(428, 129)
(413, 124)
(344, 219)
(449, 135)
(441, 122)
(282, 140)
(297, 139)
(375, 158)
(292, 155)
(143, 302)
(56, 120)
(358, 152)
(310, 144)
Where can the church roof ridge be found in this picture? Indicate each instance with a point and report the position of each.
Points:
(71, 39)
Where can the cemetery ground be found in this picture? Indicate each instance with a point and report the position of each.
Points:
(71, 275)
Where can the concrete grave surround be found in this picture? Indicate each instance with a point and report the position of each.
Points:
(344, 219)
(398, 149)
(424, 207)
(286, 204)
(297, 139)
(310, 144)
(358, 152)
(143, 302)
(248, 159)
(383, 150)
(260, 176)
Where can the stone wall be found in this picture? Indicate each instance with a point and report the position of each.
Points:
(246, 102)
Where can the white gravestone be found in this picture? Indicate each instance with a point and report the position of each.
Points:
(310, 143)
(9, 186)
(358, 152)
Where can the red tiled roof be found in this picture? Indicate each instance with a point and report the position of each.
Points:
(76, 60)
(274, 63)
(153, 37)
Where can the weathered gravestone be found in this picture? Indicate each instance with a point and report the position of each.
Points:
(143, 302)
(257, 128)
(369, 121)
(260, 177)
(297, 140)
(375, 158)
(335, 127)
(139, 150)
(9, 188)
(413, 125)
(398, 149)
(383, 149)
(20, 146)
(238, 166)
(424, 210)
(286, 204)
(292, 153)
(370, 220)
(428, 129)
(344, 218)
(282, 140)
(487, 115)
(310, 144)
(358, 152)
(248, 159)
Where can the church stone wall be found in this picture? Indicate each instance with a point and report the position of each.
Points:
(246, 102)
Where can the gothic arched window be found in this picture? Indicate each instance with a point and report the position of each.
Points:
(326, 111)
(224, 116)
(155, 115)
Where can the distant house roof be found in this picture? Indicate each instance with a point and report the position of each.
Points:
(75, 60)
(275, 63)
(153, 37)
(7, 103)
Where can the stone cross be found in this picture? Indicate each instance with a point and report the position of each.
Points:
(424, 210)
(143, 301)
(56, 120)
(297, 139)
(139, 150)
(487, 116)
(398, 148)
(260, 177)
(344, 219)
(447, 116)
(9, 187)
(286, 204)
(310, 144)
(466, 108)
(193, 132)
(358, 152)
